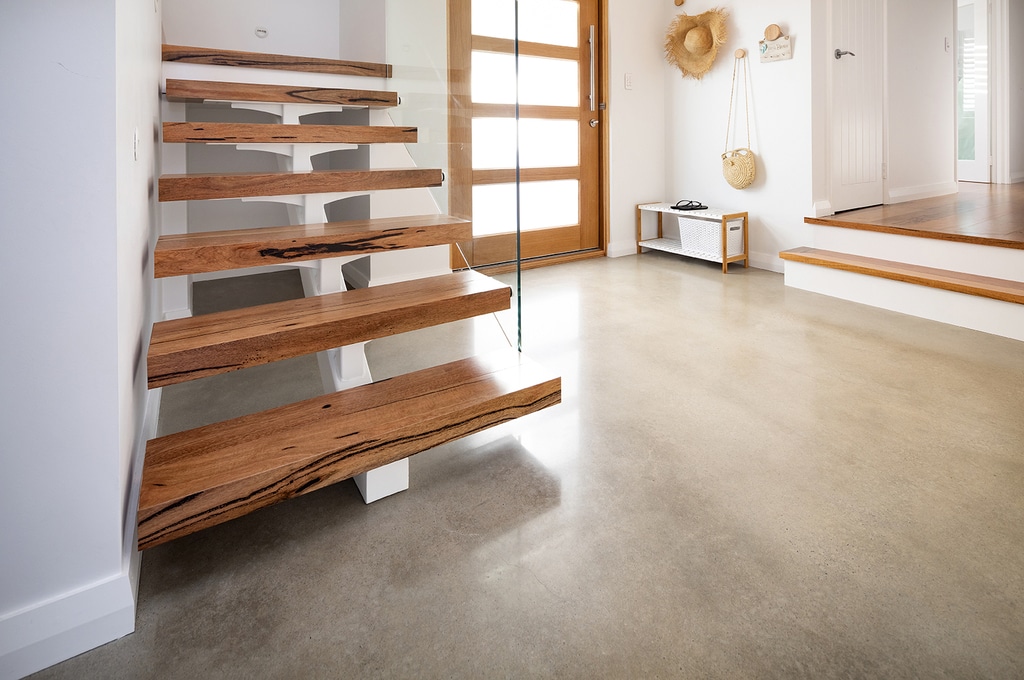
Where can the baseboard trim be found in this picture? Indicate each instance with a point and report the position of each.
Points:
(41, 636)
(772, 263)
(621, 249)
(905, 194)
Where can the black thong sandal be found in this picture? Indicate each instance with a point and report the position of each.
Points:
(689, 205)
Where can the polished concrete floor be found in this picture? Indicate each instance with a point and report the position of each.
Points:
(743, 481)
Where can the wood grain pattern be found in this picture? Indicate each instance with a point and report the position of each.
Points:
(180, 254)
(984, 214)
(186, 349)
(260, 133)
(251, 184)
(199, 478)
(971, 284)
(277, 62)
(209, 90)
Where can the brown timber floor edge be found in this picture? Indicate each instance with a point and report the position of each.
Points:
(199, 478)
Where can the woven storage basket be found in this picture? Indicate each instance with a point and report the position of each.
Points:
(703, 238)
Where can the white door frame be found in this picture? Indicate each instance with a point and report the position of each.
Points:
(999, 78)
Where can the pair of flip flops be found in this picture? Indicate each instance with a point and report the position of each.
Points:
(689, 205)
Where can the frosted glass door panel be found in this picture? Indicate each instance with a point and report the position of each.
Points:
(543, 21)
(542, 81)
(543, 205)
(542, 143)
(972, 93)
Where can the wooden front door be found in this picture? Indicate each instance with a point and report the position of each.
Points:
(535, 119)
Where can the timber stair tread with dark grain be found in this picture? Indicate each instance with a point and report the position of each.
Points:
(269, 133)
(194, 187)
(211, 90)
(960, 282)
(277, 62)
(196, 479)
(200, 346)
(212, 251)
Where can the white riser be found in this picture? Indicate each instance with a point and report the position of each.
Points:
(1001, 263)
(969, 311)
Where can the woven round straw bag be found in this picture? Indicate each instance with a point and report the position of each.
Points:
(738, 168)
(738, 165)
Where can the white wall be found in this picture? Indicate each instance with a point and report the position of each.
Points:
(74, 268)
(1015, 73)
(307, 28)
(921, 127)
(636, 117)
(362, 30)
(780, 122)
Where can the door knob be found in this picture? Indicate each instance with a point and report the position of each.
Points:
(841, 53)
(593, 122)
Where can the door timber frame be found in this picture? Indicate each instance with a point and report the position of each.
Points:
(460, 136)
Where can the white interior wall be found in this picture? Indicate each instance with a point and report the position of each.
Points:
(921, 134)
(362, 30)
(307, 28)
(72, 403)
(780, 128)
(1015, 72)
(636, 117)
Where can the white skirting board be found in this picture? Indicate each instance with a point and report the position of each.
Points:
(968, 311)
(72, 623)
(36, 638)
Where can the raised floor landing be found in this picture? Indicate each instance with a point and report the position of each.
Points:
(986, 214)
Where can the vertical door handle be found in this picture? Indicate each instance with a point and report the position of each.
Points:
(593, 95)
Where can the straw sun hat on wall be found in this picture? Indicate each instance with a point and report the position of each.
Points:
(692, 42)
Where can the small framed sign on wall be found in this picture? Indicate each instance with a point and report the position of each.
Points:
(775, 46)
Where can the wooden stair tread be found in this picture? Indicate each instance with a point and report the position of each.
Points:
(265, 133)
(253, 184)
(278, 62)
(195, 347)
(210, 90)
(199, 478)
(960, 282)
(180, 254)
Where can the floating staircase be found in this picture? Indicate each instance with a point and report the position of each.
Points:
(199, 478)
(960, 280)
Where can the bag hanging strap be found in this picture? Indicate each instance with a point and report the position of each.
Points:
(746, 99)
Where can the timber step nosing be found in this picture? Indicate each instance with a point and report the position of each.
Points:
(932, 277)
(278, 62)
(272, 133)
(199, 478)
(196, 253)
(181, 90)
(195, 347)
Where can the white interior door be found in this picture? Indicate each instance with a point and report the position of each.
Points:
(972, 92)
(857, 68)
